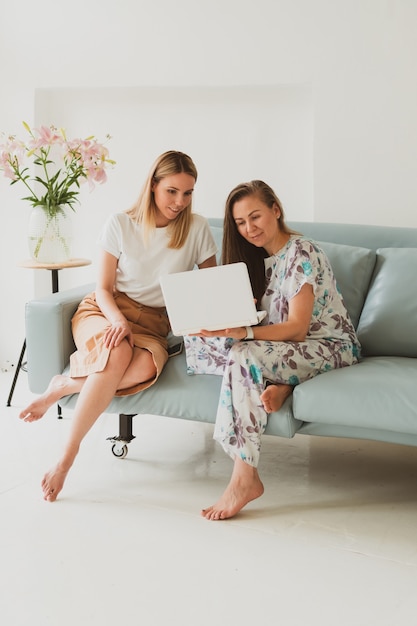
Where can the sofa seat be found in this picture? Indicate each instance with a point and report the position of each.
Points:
(188, 397)
(366, 395)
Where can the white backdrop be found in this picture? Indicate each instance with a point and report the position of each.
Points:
(233, 135)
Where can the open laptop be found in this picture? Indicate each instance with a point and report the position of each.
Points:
(211, 299)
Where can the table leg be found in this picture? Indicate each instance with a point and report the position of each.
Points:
(55, 285)
(55, 289)
(16, 374)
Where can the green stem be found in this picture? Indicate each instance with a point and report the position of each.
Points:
(43, 158)
(38, 247)
(20, 177)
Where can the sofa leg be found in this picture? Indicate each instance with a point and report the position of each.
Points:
(125, 427)
(125, 436)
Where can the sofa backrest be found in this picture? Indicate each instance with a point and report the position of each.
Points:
(353, 267)
(388, 324)
(361, 235)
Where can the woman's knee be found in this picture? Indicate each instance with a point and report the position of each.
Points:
(121, 355)
(145, 364)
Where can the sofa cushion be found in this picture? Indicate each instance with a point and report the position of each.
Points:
(353, 267)
(388, 324)
(188, 397)
(377, 393)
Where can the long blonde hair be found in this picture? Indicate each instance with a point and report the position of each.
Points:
(235, 247)
(144, 211)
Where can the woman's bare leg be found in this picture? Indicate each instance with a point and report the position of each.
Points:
(274, 396)
(244, 486)
(95, 395)
(141, 368)
(59, 387)
(141, 365)
(125, 368)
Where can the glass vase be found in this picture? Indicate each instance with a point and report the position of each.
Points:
(50, 234)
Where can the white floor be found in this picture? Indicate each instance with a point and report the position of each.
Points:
(332, 542)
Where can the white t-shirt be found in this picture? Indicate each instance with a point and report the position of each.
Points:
(140, 266)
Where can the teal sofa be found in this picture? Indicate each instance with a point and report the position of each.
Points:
(376, 269)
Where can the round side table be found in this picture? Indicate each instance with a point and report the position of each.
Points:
(54, 268)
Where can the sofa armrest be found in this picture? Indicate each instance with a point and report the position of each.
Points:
(49, 341)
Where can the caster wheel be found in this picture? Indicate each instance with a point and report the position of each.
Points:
(119, 452)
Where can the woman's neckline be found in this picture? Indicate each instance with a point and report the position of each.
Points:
(283, 245)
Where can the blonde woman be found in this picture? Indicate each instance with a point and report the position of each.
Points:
(120, 330)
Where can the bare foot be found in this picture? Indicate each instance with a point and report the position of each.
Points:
(244, 486)
(52, 482)
(274, 396)
(58, 387)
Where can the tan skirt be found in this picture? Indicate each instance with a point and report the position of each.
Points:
(150, 327)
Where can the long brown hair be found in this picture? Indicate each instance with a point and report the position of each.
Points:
(144, 210)
(236, 248)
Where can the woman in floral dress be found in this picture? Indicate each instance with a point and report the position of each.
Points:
(307, 331)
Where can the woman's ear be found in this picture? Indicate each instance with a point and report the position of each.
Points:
(276, 210)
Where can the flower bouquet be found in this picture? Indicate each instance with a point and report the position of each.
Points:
(61, 166)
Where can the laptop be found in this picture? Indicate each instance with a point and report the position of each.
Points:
(211, 299)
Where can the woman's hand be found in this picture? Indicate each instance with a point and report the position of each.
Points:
(234, 333)
(118, 328)
(115, 333)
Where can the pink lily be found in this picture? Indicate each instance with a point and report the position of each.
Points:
(46, 137)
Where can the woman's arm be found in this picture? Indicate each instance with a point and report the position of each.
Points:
(118, 325)
(294, 329)
(210, 262)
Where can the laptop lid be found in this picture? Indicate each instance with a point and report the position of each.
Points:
(211, 299)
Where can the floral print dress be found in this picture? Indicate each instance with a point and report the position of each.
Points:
(246, 366)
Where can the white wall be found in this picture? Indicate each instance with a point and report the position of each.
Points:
(232, 133)
(354, 62)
